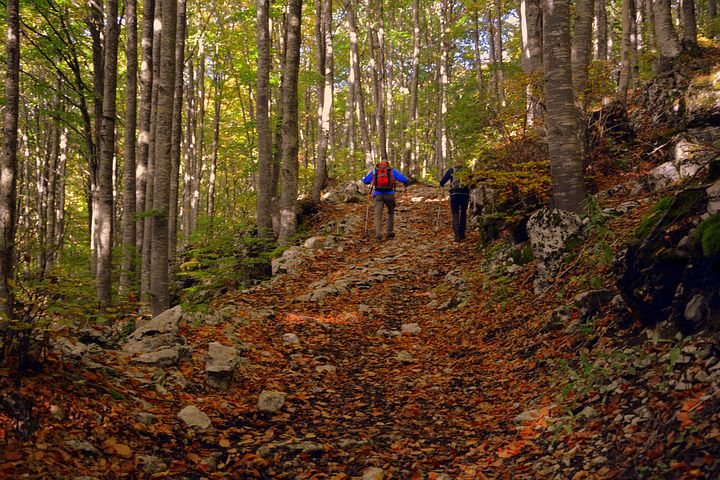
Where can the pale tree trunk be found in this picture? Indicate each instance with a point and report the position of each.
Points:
(95, 26)
(566, 162)
(581, 47)
(666, 37)
(104, 196)
(493, 74)
(444, 82)
(127, 264)
(531, 30)
(60, 203)
(499, 54)
(289, 174)
(199, 138)
(143, 140)
(359, 94)
(601, 30)
(688, 26)
(649, 23)
(163, 140)
(628, 18)
(218, 82)
(325, 96)
(190, 152)
(262, 120)
(380, 84)
(8, 162)
(49, 244)
(712, 8)
(175, 149)
(411, 143)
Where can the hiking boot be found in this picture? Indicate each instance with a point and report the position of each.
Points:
(390, 235)
(378, 238)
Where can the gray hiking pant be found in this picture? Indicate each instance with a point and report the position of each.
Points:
(381, 200)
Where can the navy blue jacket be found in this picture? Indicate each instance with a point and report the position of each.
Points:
(448, 178)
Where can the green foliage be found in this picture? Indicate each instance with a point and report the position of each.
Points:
(523, 255)
(648, 222)
(707, 237)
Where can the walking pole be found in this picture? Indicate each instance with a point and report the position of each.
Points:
(367, 213)
(437, 216)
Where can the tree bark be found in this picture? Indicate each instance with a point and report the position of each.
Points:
(531, 30)
(359, 94)
(666, 37)
(325, 97)
(566, 163)
(289, 174)
(218, 82)
(688, 25)
(262, 120)
(104, 192)
(8, 162)
(163, 140)
(628, 17)
(601, 29)
(581, 47)
(127, 265)
(444, 83)
(411, 145)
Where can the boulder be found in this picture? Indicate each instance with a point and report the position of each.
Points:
(194, 418)
(703, 100)
(163, 357)
(220, 364)
(159, 332)
(270, 401)
(549, 230)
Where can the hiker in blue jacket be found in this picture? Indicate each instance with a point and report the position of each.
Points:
(383, 179)
(459, 199)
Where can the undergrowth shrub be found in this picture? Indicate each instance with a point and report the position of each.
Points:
(708, 237)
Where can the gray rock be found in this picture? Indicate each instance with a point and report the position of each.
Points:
(146, 418)
(158, 332)
(314, 243)
(290, 339)
(165, 357)
(81, 446)
(373, 473)
(590, 302)
(194, 417)
(405, 357)
(220, 364)
(410, 328)
(151, 464)
(270, 401)
(549, 230)
(697, 310)
(713, 193)
(326, 369)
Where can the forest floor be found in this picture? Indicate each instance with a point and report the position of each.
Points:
(479, 388)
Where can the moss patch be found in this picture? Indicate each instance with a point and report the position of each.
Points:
(708, 237)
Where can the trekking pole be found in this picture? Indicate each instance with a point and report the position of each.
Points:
(367, 213)
(437, 216)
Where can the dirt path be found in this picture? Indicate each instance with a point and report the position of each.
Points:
(418, 404)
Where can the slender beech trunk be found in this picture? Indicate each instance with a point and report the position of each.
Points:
(175, 150)
(531, 30)
(218, 82)
(163, 142)
(625, 48)
(9, 162)
(359, 94)
(499, 54)
(381, 105)
(325, 97)
(262, 120)
(581, 47)
(289, 174)
(478, 54)
(688, 25)
(104, 193)
(190, 152)
(601, 30)
(412, 134)
(127, 265)
(566, 162)
(444, 83)
(668, 44)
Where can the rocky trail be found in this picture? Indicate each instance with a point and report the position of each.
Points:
(401, 359)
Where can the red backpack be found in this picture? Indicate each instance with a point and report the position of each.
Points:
(383, 179)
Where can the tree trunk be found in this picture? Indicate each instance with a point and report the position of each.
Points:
(104, 193)
(8, 162)
(95, 28)
(262, 120)
(190, 153)
(144, 137)
(531, 30)
(175, 150)
(325, 97)
(582, 43)
(163, 140)
(666, 38)
(628, 18)
(288, 198)
(499, 55)
(688, 25)
(444, 83)
(566, 163)
(601, 29)
(359, 94)
(411, 145)
(218, 82)
(712, 8)
(127, 265)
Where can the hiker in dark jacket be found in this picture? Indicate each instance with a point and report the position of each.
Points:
(384, 195)
(459, 199)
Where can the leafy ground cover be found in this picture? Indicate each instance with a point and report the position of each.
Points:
(479, 388)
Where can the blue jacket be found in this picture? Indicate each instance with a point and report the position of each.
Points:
(448, 177)
(399, 177)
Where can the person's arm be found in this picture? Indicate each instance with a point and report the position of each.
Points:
(446, 178)
(400, 177)
(368, 178)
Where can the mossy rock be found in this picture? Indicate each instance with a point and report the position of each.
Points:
(707, 237)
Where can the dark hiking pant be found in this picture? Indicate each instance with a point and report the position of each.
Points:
(458, 206)
(381, 200)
